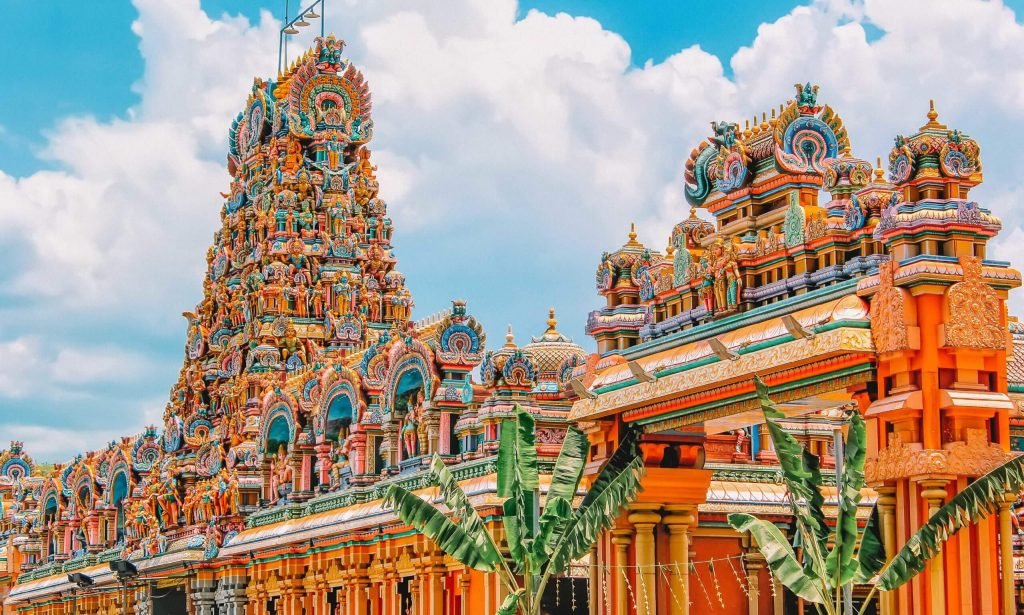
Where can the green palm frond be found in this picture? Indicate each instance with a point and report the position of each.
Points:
(978, 500)
(475, 550)
(780, 557)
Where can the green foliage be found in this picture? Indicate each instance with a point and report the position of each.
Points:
(856, 556)
(470, 549)
(780, 557)
(538, 548)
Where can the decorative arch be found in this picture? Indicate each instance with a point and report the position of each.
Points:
(277, 427)
(401, 378)
(340, 403)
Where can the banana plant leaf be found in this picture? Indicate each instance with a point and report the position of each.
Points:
(565, 481)
(518, 481)
(474, 550)
(840, 565)
(556, 517)
(799, 471)
(871, 554)
(978, 500)
(803, 480)
(622, 457)
(506, 457)
(619, 486)
(455, 498)
(511, 603)
(526, 450)
(780, 557)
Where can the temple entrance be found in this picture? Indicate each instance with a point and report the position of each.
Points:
(566, 596)
(169, 601)
(404, 596)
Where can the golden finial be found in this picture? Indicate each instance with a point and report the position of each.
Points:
(933, 116)
(693, 212)
(846, 148)
(510, 339)
(879, 172)
(756, 128)
(746, 129)
(669, 250)
(632, 232)
(764, 121)
(772, 121)
(552, 321)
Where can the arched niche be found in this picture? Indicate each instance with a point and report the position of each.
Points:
(50, 513)
(119, 491)
(407, 386)
(340, 416)
(279, 434)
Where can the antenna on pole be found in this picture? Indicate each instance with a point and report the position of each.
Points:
(291, 26)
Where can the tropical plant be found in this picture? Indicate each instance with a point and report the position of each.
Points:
(856, 556)
(541, 545)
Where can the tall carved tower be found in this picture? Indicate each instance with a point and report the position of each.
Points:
(939, 324)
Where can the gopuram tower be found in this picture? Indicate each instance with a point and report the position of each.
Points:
(939, 325)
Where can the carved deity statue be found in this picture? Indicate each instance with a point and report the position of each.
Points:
(410, 429)
(721, 281)
(280, 475)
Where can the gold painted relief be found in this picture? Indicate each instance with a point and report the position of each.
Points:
(974, 457)
(974, 312)
(889, 312)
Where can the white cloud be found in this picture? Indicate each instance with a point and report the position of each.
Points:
(511, 152)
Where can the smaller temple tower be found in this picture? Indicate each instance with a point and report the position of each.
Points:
(939, 325)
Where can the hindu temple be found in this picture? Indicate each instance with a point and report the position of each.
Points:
(307, 387)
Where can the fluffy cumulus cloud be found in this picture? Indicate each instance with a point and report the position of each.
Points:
(511, 151)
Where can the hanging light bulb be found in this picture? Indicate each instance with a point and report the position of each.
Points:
(312, 14)
(302, 23)
(290, 30)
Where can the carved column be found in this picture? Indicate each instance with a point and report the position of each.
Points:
(360, 594)
(464, 591)
(934, 492)
(887, 520)
(414, 593)
(754, 563)
(678, 519)
(595, 583)
(323, 457)
(1006, 553)
(434, 599)
(621, 538)
(644, 518)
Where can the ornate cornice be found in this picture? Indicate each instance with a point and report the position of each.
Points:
(840, 340)
(900, 460)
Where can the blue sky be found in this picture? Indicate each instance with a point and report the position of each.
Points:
(516, 142)
(105, 63)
